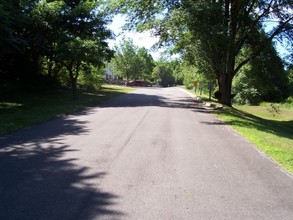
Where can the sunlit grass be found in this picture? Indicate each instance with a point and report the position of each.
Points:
(21, 109)
(9, 105)
(268, 126)
(272, 134)
(267, 112)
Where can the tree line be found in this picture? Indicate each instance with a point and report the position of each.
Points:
(133, 63)
(57, 40)
(219, 37)
(262, 79)
(223, 42)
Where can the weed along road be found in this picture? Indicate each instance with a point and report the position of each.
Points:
(151, 154)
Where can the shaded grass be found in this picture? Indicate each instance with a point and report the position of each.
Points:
(19, 109)
(274, 136)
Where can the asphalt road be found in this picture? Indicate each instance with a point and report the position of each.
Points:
(150, 154)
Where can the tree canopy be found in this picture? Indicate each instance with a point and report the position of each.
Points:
(65, 40)
(262, 79)
(132, 62)
(46, 37)
(216, 32)
(163, 74)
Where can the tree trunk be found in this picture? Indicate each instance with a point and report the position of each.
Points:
(73, 81)
(127, 79)
(74, 89)
(50, 63)
(225, 87)
(226, 77)
(50, 68)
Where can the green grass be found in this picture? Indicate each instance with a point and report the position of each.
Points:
(23, 108)
(204, 96)
(271, 134)
(268, 112)
(268, 127)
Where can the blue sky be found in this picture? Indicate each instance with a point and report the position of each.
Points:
(139, 39)
(146, 40)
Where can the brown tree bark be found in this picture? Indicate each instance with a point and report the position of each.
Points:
(225, 87)
(73, 79)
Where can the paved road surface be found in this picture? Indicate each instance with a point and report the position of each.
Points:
(151, 154)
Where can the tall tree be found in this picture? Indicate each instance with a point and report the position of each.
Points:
(83, 38)
(216, 30)
(52, 34)
(125, 62)
(12, 26)
(77, 52)
(132, 62)
(163, 74)
(147, 63)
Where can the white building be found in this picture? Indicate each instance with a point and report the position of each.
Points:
(109, 75)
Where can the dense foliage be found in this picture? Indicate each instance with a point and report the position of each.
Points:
(65, 42)
(213, 34)
(163, 74)
(262, 79)
(132, 62)
(50, 39)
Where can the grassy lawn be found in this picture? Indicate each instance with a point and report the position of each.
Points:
(269, 127)
(270, 132)
(22, 109)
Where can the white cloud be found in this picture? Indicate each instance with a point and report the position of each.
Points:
(144, 39)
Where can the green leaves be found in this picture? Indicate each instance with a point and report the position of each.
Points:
(132, 62)
(262, 79)
(52, 37)
(164, 74)
(212, 34)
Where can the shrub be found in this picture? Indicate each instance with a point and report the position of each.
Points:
(91, 78)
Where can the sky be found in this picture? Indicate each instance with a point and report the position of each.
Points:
(146, 40)
(282, 48)
(139, 39)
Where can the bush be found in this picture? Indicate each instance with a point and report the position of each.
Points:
(263, 79)
(288, 103)
(247, 96)
(91, 78)
(290, 100)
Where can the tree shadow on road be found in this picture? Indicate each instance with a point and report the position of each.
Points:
(41, 184)
(146, 100)
(41, 177)
(50, 132)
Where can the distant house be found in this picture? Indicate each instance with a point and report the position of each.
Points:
(109, 75)
(112, 78)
